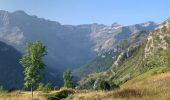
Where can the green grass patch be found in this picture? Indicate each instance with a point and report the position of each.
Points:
(147, 74)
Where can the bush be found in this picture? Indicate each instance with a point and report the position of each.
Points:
(52, 98)
(104, 85)
(11, 90)
(63, 93)
(114, 86)
(1, 89)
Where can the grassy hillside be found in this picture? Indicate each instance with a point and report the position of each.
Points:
(154, 84)
(150, 73)
(118, 74)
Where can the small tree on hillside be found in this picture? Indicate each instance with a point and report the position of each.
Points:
(68, 79)
(33, 64)
(104, 85)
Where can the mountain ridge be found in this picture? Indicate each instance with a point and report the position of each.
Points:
(68, 46)
(152, 53)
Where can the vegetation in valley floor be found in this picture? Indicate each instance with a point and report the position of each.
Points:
(154, 84)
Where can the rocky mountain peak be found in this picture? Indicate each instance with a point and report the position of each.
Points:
(149, 23)
(158, 39)
(20, 12)
(115, 24)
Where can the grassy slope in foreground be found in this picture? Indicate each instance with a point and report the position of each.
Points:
(154, 84)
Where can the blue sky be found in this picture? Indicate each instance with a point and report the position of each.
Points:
(93, 11)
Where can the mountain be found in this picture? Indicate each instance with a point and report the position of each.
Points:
(105, 60)
(108, 37)
(11, 71)
(74, 42)
(69, 46)
(152, 54)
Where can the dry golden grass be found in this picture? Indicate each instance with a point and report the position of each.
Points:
(26, 95)
(155, 87)
(151, 88)
(108, 95)
(20, 95)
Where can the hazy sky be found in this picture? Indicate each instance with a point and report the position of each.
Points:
(93, 11)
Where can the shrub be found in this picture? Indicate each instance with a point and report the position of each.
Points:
(11, 90)
(114, 86)
(63, 93)
(52, 98)
(104, 85)
(1, 89)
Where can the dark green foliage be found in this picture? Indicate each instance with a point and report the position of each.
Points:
(114, 86)
(11, 90)
(104, 85)
(63, 93)
(68, 79)
(52, 98)
(33, 64)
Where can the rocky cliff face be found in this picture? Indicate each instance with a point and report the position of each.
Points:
(159, 39)
(107, 38)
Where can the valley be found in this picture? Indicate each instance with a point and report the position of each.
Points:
(41, 59)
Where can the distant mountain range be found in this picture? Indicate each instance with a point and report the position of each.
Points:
(69, 46)
(152, 54)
